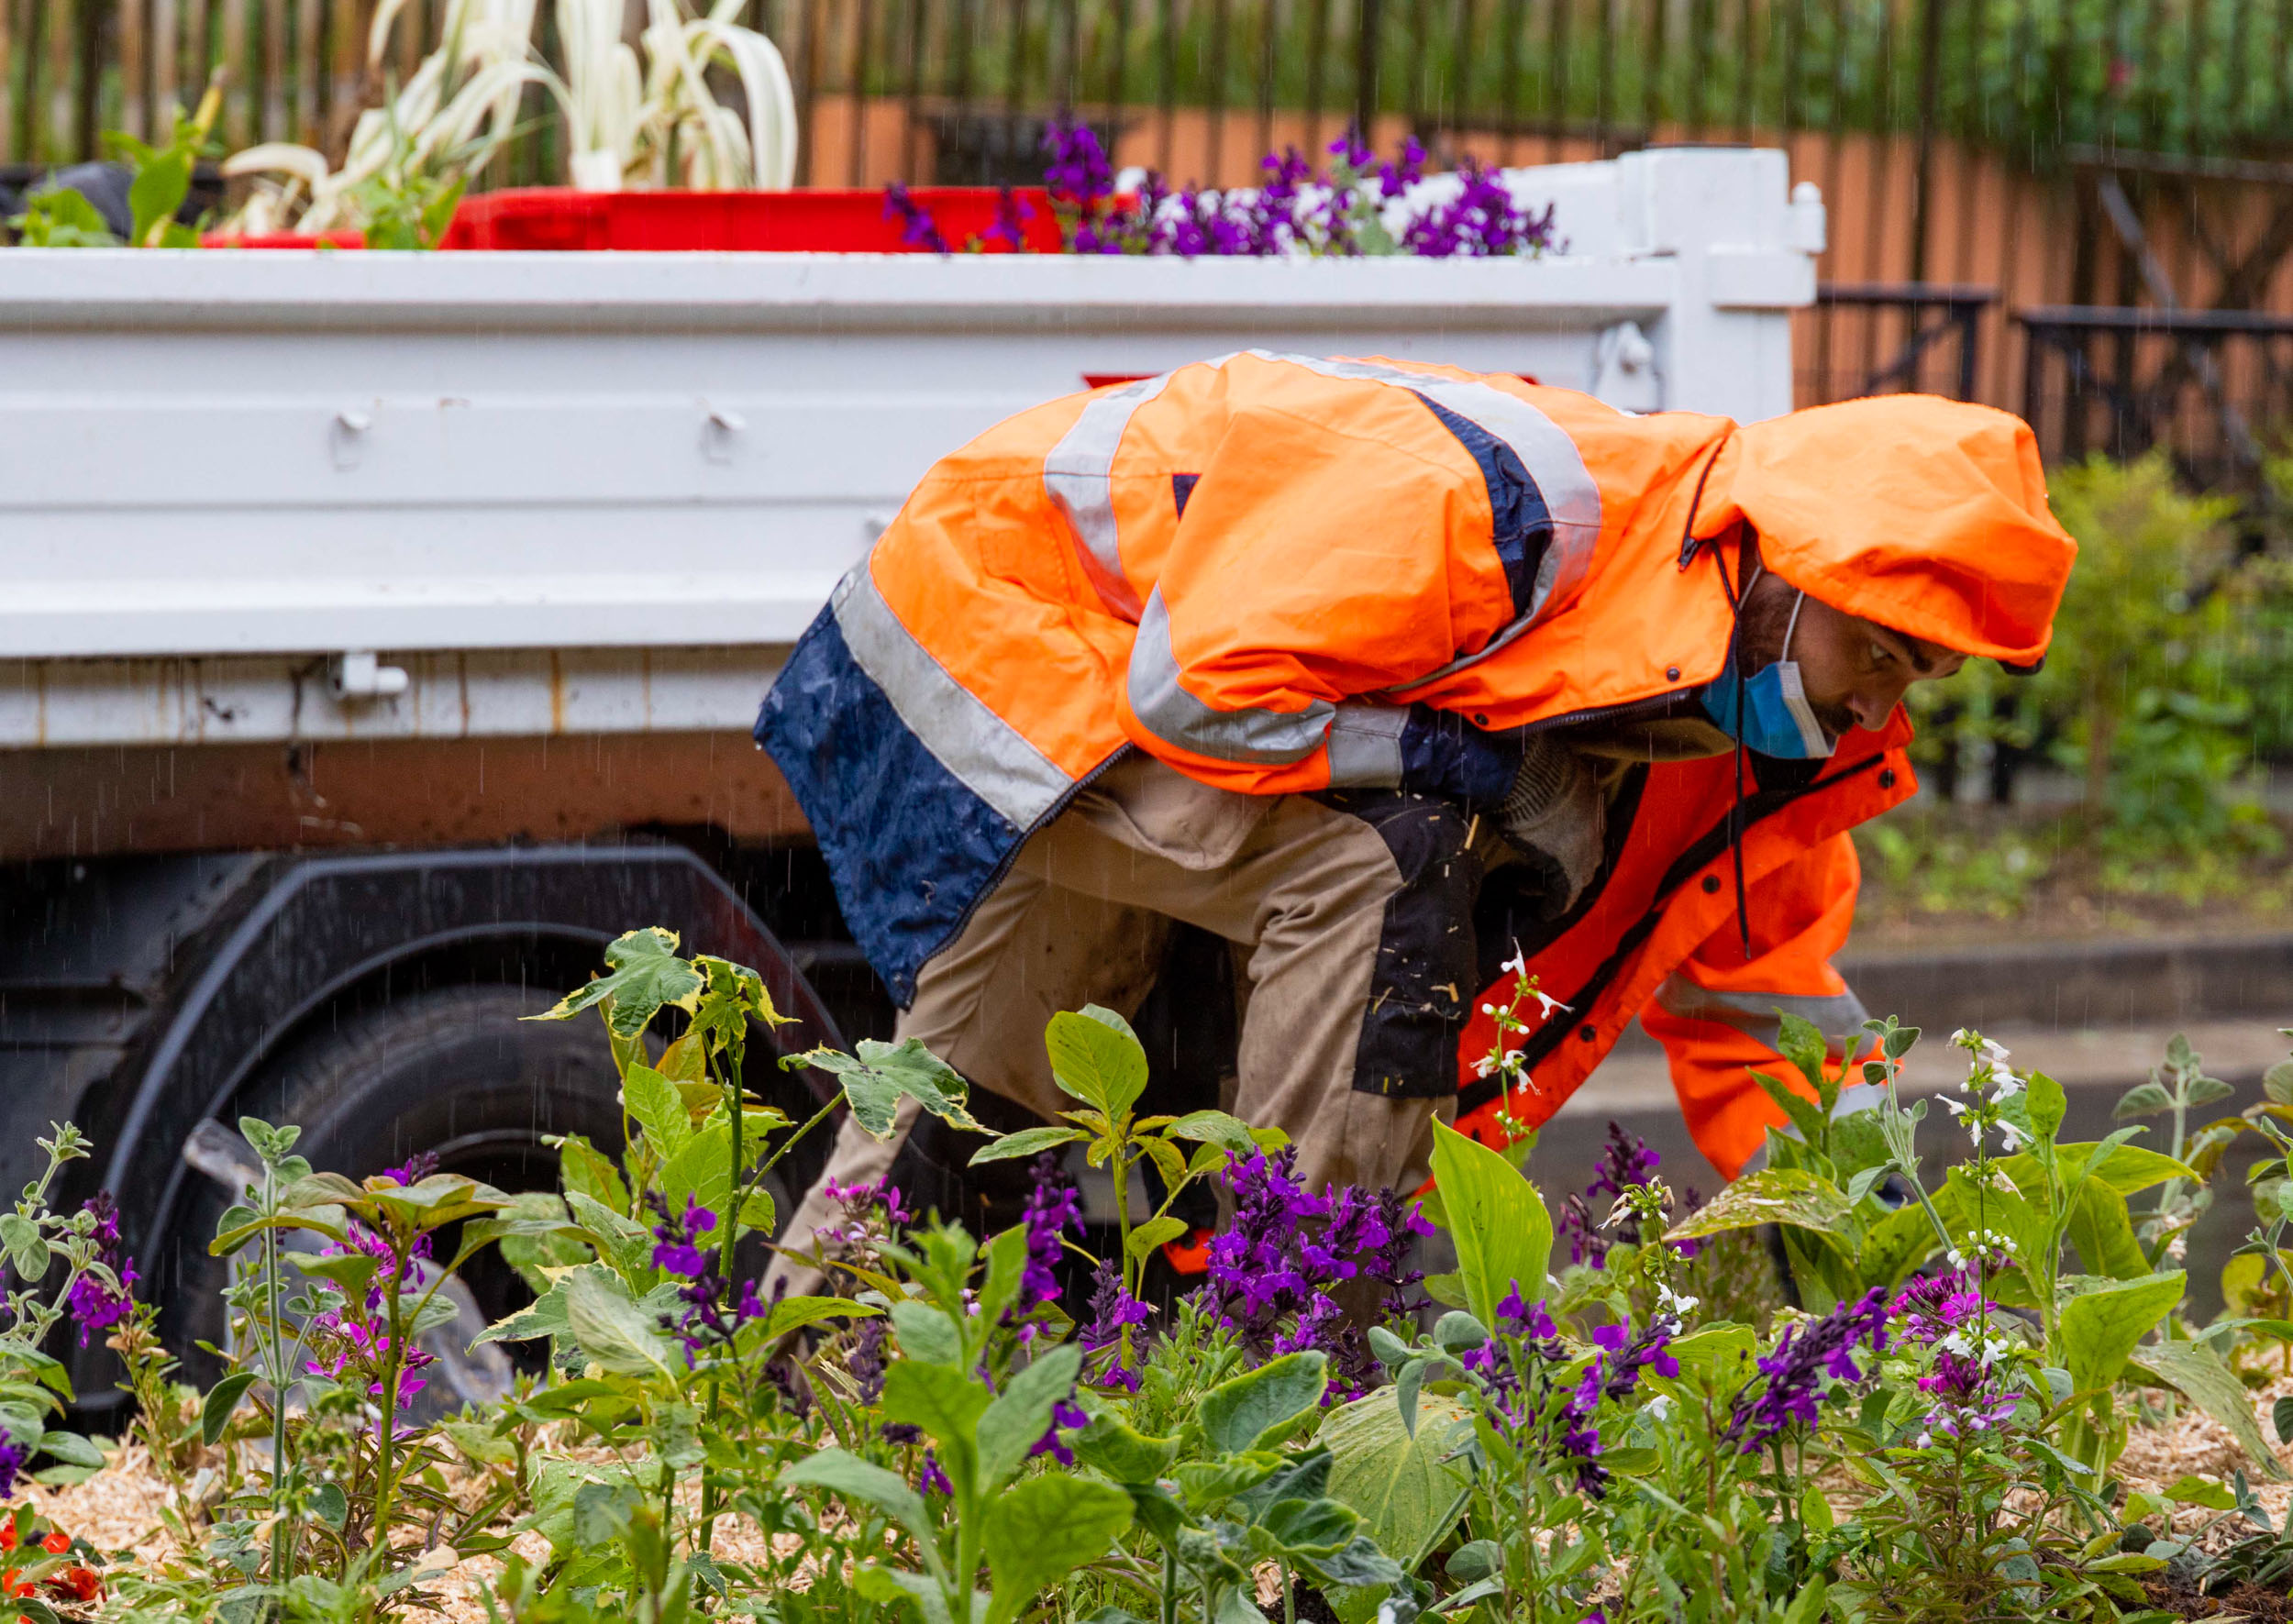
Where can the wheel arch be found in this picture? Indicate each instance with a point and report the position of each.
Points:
(331, 929)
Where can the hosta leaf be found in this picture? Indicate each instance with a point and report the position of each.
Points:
(1502, 1232)
(646, 975)
(1772, 1194)
(2198, 1372)
(1408, 1490)
(2099, 1327)
(1258, 1408)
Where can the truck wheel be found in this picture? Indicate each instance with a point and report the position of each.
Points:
(458, 1072)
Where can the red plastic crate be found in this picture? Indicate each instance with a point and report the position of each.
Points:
(823, 220)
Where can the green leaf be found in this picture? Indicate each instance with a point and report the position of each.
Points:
(350, 1270)
(881, 1074)
(1022, 1414)
(1804, 1114)
(1717, 1359)
(1153, 1234)
(925, 1333)
(2102, 1230)
(2202, 1491)
(27, 1250)
(797, 1313)
(947, 1404)
(2278, 1082)
(658, 1108)
(1229, 1134)
(626, 1246)
(1040, 1531)
(2144, 1099)
(215, 1413)
(545, 1315)
(1112, 1445)
(1260, 1408)
(1096, 1057)
(1802, 1043)
(2127, 1168)
(1408, 1490)
(2199, 1373)
(1503, 1234)
(1772, 1194)
(842, 1472)
(158, 191)
(72, 1449)
(2100, 1328)
(2281, 1417)
(2046, 1104)
(611, 1327)
(1297, 1529)
(1027, 1142)
(645, 977)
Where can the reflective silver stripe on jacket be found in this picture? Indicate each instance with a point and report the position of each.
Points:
(1078, 475)
(1366, 746)
(1753, 1014)
(991, 758)
(1266, 739)
(1570, 493)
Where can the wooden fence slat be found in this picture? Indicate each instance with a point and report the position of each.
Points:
(8, 81)
(239, 88)
(166, 26)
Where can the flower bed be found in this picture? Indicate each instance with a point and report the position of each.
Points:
(1986, 1404)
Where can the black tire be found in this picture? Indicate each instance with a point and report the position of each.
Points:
(457, 1071)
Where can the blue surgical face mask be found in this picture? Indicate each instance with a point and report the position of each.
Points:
(1778, 718)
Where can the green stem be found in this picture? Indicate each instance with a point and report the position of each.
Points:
(1120, 1164)
(281, 1540)
(733, 1085)
(386, 1429)
(1170, 1585)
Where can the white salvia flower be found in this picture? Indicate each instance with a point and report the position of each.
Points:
(1517, 965)
(2007, 1133)
(1547, 1004)
(2177, 1247)
(1958, 1108)
(1484, 1065)
(2009, 1086)
(1964, 1039)
(1660, 1407)
(1958, 1258)
(1996, 1053)
(1671, 1302)
(1489, 1009)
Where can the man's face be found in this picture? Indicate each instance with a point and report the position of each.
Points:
(1855, 672)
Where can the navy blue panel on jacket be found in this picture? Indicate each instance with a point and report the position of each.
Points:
(886, 812)
(1524, 527)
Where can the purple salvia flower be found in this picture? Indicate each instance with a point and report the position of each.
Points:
(1078, 170)
(1012, 214)
(917, 228)
(1795, 1370)
(97, 1303)
(1067, 1414)
(13, 1460)
(1053, 1207)
(1113, 1311)
(933, 1479)
(866, 1362)
(415, 1169)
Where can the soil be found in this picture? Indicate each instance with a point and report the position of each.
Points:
(2243, 1601)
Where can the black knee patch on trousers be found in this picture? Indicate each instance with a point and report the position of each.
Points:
(1421, 986)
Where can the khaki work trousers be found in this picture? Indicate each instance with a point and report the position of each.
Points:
(1300, 889)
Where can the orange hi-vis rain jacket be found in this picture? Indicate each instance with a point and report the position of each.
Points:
(1288, 574)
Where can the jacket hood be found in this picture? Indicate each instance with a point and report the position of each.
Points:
(1925, 515)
